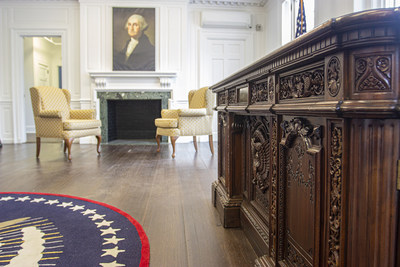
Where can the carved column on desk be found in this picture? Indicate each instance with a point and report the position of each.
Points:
(227, 189)
(335, 183)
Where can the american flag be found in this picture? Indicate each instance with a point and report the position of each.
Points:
(301, 20)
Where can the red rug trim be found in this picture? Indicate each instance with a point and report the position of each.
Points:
(145, 259)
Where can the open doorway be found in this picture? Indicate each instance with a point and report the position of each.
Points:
(42, 66)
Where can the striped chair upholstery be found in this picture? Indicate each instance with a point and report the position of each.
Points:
(54, 118)
(194, 121)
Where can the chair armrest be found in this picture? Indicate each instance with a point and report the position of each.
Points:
(50, 114)
(169, 113)
(192, 112)
(82, 114)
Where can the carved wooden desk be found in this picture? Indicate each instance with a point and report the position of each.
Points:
(309, 146)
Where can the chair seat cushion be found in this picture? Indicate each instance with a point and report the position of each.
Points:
(166, 123)
(81, 124)
(168, 131)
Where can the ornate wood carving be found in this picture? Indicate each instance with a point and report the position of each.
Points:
(294, 257)
(335, 196)
(271, 88)
(222, 131)
(281, 203)
(232, 96)
(334, 76)
(274, 186)
(300, 127)
(222, 118)
(260, 149)
(257, 226)
(295, 168)
(222, 98)
(303, 84)
(259, 92)
(373, 73)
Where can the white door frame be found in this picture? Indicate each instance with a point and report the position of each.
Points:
(17, 74)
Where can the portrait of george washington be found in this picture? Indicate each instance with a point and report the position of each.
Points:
(134, 39)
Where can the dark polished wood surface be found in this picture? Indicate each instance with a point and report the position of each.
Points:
(170, 198)
(309, 162)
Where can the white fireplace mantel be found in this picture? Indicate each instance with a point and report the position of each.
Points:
(132, 80)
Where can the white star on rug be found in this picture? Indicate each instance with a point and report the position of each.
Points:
(112, 264)
(76, 207)
(96, 217)
(88, 211)
(38, 200)
(23, 199)
(109, 231)
(104, 223)
(112, 251)
(51, 202)
(6, 198)
(113, 240)
(65, 204)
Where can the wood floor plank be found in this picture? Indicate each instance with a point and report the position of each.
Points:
(170, 198)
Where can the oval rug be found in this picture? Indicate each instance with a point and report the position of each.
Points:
(40, 229)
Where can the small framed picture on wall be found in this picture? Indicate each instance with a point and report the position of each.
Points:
(134, 39)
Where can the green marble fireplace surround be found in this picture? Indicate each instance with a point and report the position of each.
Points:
(107, 95)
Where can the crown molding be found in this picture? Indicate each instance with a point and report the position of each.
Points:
(257, 3)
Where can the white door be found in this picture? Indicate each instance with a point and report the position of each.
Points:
(222, 55)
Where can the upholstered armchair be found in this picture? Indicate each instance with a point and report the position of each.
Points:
(54, 118)
(194, 121)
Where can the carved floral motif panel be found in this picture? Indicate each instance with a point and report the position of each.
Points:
(303, 84)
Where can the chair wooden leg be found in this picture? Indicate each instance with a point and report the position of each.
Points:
(98, 137)
(68, 143)
(210, 140)
(173, 140)
(195, 142)
(158, 142)
(37, 146)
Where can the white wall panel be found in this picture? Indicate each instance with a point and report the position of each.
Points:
(71, 56)
(94, 35)
(5, 73)
(175, 39)
(6, 122)
(39, 16)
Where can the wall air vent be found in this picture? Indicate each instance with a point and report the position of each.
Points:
(225, 19)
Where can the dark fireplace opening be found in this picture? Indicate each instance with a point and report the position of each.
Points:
(132, 119)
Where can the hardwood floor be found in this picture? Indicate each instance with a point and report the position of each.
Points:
(170, 198)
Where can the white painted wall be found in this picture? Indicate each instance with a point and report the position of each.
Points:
(327, 9)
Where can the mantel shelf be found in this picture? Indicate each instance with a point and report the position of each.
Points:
(133, 80)
(132, 74)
